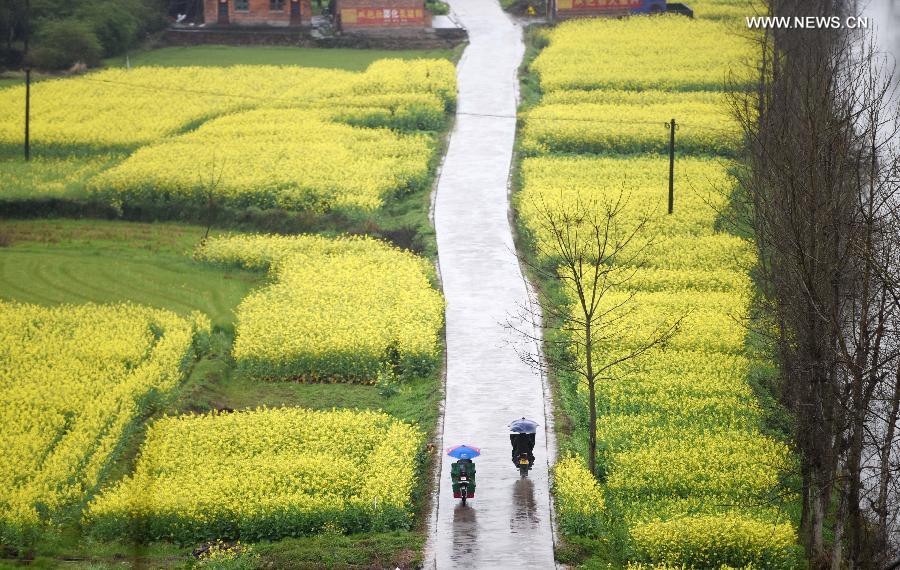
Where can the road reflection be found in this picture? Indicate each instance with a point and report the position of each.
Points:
(524, 511)
(465, 533)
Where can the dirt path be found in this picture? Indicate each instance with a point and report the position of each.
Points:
(508, 524)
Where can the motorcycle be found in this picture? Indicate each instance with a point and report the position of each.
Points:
(462, 473)
(521, 437)
(463, 487)
(524, 463)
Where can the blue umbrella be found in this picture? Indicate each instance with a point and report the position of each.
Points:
(463, 452)
(523, 426)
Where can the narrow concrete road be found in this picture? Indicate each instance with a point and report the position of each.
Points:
(508, 524)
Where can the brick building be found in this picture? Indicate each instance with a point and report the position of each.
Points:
(257, 12)
(564, 9)
(371, 15)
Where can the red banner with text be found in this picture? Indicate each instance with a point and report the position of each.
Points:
(383, 16)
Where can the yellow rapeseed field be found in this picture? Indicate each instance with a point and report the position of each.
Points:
(686, 472)
(294, 138)
(264, 474)
(73, 382)
(338, 310)
(268, 158)
(620, 127)
(126, 108)
(666, 52)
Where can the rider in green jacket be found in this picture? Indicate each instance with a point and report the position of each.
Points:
(466, 466)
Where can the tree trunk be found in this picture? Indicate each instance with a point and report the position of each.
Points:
(854, 473)
(884, 475)
(592, 397)
(818, 510)
(838, 545)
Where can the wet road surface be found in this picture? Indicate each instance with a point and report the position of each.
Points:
(508, 523)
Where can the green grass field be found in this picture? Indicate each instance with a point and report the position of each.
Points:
(53, 262)
(334, 58)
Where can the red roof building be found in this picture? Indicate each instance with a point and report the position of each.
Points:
(257, 12)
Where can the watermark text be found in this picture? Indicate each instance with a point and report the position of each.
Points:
(807, 22)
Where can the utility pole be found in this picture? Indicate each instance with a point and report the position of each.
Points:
(27, 114)
(671, 126)
(27, 81)
(27, 29)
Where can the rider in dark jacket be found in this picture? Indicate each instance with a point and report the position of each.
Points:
(522, 443)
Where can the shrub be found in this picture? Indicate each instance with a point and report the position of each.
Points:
(62, 44)
(115, 25)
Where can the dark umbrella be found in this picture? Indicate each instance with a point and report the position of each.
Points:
(523, 426)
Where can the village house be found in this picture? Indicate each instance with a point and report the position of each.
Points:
(258, 12)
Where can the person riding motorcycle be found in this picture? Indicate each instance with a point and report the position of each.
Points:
(467, 467)
(521, 441)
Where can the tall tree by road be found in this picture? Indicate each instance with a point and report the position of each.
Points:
(820, 193)
(583, 244)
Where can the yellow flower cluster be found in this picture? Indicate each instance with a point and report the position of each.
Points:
(667, 53)
(269, 137)
(338, 310)
(410, 76)
(284, 158)
(638, 125)
(126, 108)
(647, 566)
(680, 448)
(731, 12)
(716, 541)
(262, 251)
(220, 553)
(641, 182)
(580, 504)
(45, 178)
(620, 105)
(73, 382)
(264, 474)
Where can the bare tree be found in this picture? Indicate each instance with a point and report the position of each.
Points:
(583, 245)
(208, 187)
(820, 195)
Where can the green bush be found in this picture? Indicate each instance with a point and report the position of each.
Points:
(115, 27)
(62, 44)
(437, 7)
